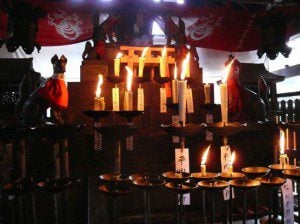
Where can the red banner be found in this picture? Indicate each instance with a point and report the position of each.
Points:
(221, 28)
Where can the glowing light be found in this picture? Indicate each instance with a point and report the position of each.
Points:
(205, 154)
(119, 55)
(232, 158)
(185, 63)
(100, 82)
(227, 69)
(281, 141)
(145, 51)
(129, 79)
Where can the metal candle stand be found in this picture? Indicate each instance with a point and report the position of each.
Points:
(213, 186)
(58, 135)
(115, 184)
(177, 182)
(273, 184)
(22, 185)
(147, 183)
(197, 177)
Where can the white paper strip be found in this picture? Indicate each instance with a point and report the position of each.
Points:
(288, 202)
(163, 100)
(140, 98)
(225, 160)
(115, 99)
(182, 164)
(189, 101)
(175, 121)
(209, 120)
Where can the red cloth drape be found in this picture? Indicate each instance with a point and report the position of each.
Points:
(56, 92)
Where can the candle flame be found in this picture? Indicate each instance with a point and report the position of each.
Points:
(129, 78)
(175, 72)
(145, 51)
(164, 52)
(281, 141)
(119, 55)
(227, 70)
(232, 158)
(205, 154)
(185, 63)
(98, 89)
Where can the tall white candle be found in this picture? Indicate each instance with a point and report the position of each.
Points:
(187, 71)
(224, 94)
(283, 158)
(203, 161)
(117, 63)
(128, 97)
(142, 60)
(163, 63)
(182, 86)
(174, 86)
(207, 99)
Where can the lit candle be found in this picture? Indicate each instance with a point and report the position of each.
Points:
(163, 63)
(224, 95)
(283, 158)
(203, 161)
(182, 86)
(230, 165)
(99, 103)
(174, 86)
(128, 98)
(117, 62)
(187, 73)
(142, 62)
(207, 99)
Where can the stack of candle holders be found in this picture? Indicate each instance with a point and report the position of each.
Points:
(10, 186)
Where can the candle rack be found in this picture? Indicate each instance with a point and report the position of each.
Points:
(147, 183)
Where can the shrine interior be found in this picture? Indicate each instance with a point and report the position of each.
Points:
(149, 111)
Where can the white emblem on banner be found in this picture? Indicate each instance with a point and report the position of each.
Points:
(225, 160)
(288, 202)
(204, 27)
(182, 164)
(67, 26)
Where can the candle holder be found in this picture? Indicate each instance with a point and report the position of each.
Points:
(188, 130)
(141, 80)
(225, 129)
(129, 115)
(57, 134)
(180, 188)
(114, 186)
(272, 184)
(176, 177)
(161, 80)
(197, 177)
(147, 183)
(246, 185)
(213, 186)
(97, 114)
(115, 79)
(255, 171)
